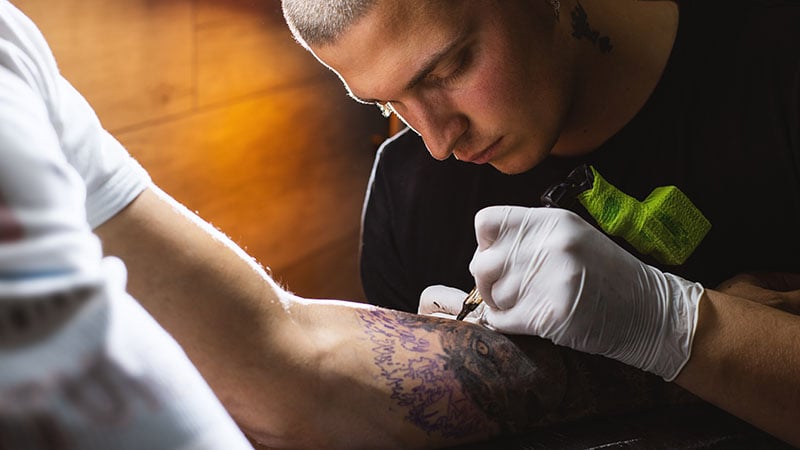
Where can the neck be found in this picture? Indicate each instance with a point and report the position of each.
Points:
(621, 48)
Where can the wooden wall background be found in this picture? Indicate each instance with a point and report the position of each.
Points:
(232, 118)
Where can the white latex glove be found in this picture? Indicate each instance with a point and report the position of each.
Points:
(446, 302)
(546, 272)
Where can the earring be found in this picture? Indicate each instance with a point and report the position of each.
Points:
(556, 5)
(385, 108)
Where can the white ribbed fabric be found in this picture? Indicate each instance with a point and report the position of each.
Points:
(111, 176)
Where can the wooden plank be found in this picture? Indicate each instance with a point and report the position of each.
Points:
(281, 175)
(131, 59)
(234, 119)
(244, 47)
(332, 272)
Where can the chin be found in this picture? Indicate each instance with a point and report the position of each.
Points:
(513, 167)
(519, 161)
(509, 169)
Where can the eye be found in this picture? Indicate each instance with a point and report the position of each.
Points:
(452, 70)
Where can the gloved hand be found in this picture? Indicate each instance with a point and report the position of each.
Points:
(546, 272)
(446, 302)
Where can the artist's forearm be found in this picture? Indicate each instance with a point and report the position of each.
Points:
(745, 359)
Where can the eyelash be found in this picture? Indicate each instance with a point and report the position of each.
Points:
(463, 64)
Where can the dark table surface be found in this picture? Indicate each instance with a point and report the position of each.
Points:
(695, 426)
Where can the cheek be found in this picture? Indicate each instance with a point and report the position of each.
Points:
(501, 84)
(492, 100)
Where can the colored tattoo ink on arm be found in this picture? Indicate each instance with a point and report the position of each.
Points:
(479, 383)
(458, 380)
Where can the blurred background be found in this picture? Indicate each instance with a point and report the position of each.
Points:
(232, 118)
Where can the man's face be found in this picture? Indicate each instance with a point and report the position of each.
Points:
(484, 80)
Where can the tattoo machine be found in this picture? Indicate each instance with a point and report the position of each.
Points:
(665, 225)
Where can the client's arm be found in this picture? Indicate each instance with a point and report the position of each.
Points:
(301, 373)
(388, 377)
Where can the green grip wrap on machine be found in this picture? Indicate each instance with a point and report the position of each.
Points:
(665, 225)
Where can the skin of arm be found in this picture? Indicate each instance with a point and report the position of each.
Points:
(320, 373)
(775, 289)
(746, 358)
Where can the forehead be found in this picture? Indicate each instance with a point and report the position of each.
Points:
(390, 43)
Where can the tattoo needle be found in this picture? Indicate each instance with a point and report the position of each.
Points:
(470, 303)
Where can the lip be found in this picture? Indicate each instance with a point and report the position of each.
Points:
(485, 155)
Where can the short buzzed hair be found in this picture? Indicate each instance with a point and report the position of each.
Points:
(322, 22)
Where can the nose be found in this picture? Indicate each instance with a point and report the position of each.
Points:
(440, 126)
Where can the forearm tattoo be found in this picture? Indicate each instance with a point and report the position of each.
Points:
(419, 383)
(581, 29)
(482, 383)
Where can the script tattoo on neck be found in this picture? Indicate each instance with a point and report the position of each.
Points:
(474, 382)
(581, 29)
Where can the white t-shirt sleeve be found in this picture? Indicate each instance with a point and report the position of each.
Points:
(111, 176)
(82, 364)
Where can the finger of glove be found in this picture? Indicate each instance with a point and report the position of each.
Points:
(473, 317)
(510, 321)
(446, 302)
(487, 267)
(489, 223)
(506, 291)
(441, 299)
(502, 226)
(441, 315)
(477, 316)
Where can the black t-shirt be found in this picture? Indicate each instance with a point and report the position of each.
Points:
(723, 125)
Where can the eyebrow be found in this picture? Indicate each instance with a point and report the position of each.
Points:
(428, 66)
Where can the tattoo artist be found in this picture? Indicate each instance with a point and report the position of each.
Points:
(514, 84)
